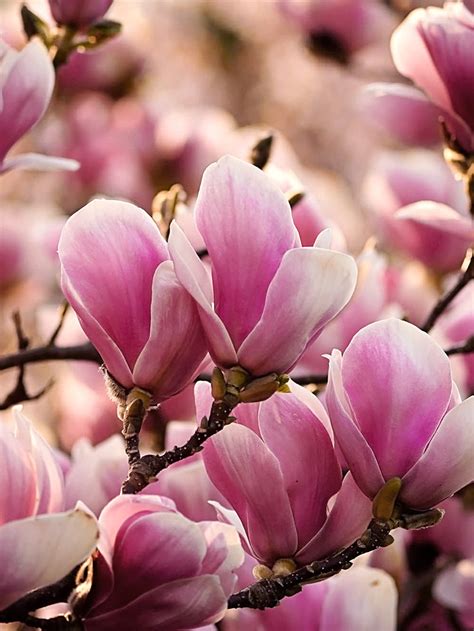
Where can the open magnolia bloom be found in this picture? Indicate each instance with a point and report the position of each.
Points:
(269, 297)
(117, 276)
(159, 570)
(285, 485)
(396, 413)
(26, 87)
(433, 47)
(35, 549)
(78, 13)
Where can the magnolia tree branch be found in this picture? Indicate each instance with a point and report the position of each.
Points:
(463, 349)
(443, 303)
(268, 592)
(144, 470)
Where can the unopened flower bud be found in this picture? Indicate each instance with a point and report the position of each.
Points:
(261, 571)
(260, 389)
(283, 567)
(218, 384)
(237, 377)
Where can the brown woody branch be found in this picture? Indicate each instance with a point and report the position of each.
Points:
(443, 303)
(268, 592)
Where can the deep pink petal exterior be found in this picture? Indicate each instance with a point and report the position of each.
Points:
(358, 454)
(232, 459)
(311, 472)
(176, 346)
(247, 227)
(109, 252)
(26, 86)
(78, 12)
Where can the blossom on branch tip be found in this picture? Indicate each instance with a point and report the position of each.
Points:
(26, 87)
(35, 539)
(78, 13)
(269, 297)
(160, 569)
(285, 484)
(397, 413)
(433, 47)
(117, 276)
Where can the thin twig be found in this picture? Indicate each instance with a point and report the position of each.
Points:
(145, 470)
(80, 352)
(268, 592)
(463, 349)
(443, 303)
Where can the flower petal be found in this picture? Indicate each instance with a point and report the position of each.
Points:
(364, 599)
(246, 224)
(305, 453)
(176, 346)
(178, 605)
(348, 517)
(310, 287)
(447, 465)
(405, 391)
(38, 162)
(194, 277)
(26, 90)
(237, 461)
(155, 549)
(109, 252)
(43, 544)
(358, 454)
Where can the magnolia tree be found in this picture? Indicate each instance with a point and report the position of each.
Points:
(295, 408)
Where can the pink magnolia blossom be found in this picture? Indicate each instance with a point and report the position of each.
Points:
(280, 484)
(26, 86)
(436, 232)
(344, 25)
(117, 276)
(456, 326)
(96, 473)
(158, 569)
(401, 112)
(433, 47)
(79, 13)
(269, 297)
(396, 413)
(454, 588)
(32, 486)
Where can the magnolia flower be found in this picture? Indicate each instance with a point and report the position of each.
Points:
(26, 86)
(286, 485)
(436, 232)
(337, 28)
(117, 276)
(454, 588)
(41, 541)
(158, 569)
(269, 297)
(433, 47)
(396, 413)
(78, 13)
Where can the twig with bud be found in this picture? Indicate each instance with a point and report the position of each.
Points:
(387, 515)
(237, 386)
